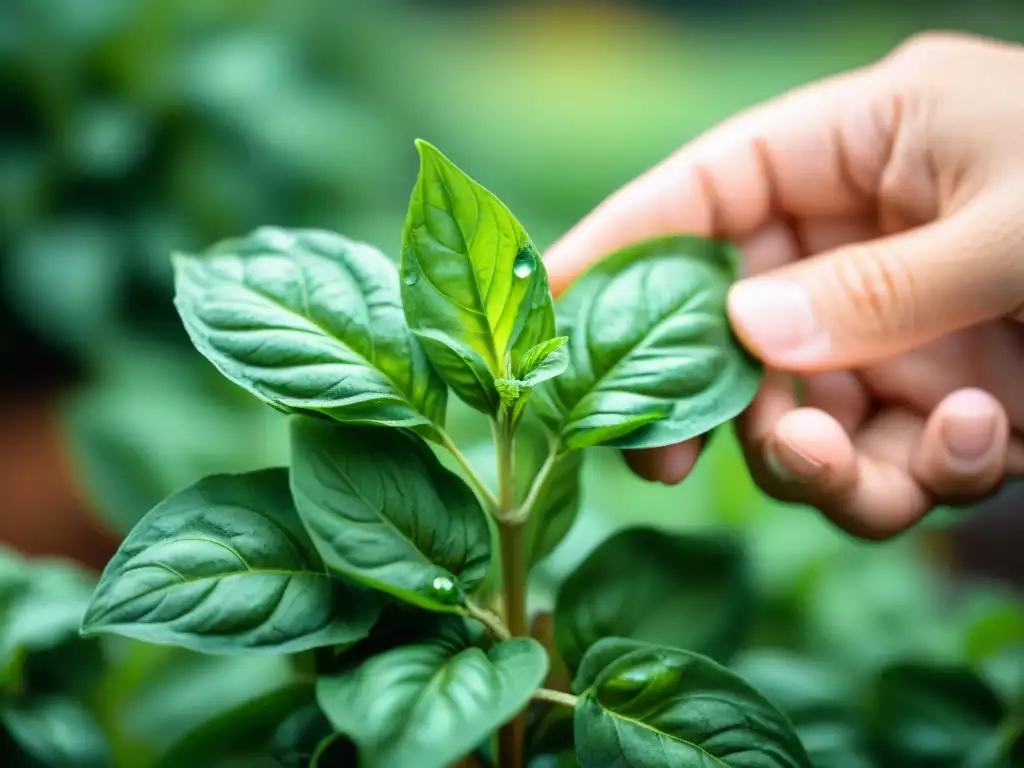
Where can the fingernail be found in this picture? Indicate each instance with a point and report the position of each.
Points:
(776, 319)
(790, 465)
(968, 433)
(675, 462)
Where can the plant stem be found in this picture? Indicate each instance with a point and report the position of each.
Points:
(493, 622)
(524, 511)
(485, 493)
(513, 576)
(556, 697)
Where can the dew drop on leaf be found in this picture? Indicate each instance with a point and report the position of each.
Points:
(443, 588)
(410, 278)
(525, 262)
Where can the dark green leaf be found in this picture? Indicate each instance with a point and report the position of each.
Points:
(225, 567)
(333, 751)
(42, 603)
(298, 736)
(687, 591)
(651, 351)
(473, 285)
(816, 701)
(933, 715)
(310, 322)
(429, 703)
(58, 732)
(382, 509)
(237, 728)
(646, 706)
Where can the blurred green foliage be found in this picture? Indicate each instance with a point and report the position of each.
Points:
(129, 129)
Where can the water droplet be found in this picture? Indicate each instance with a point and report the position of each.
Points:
(443, 584)
(444, 590)
(525, 262)
(411, 278)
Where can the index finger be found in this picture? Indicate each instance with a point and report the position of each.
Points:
(818, 151)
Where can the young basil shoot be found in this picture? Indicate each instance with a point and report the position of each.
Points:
(369, 557)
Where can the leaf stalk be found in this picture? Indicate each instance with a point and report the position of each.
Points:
(486, 494)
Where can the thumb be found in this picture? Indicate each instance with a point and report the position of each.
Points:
(862, 303)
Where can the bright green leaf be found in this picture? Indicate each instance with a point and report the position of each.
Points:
(382, 509)
(310, 322)
(544, 361)
(473, 285)
(648, 706)
(687, 591)
(429, 703)
(225, 567)
(56, 731)
(935, 715)
(650, 348)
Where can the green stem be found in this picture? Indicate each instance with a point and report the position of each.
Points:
(485, 493)
(556, 697)
(513, 575)
(524, 511)
(490, 620)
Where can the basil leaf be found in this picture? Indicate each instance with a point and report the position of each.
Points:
(429, 703)
(56, 731)
(544, 361)
(310, 322)
(816, 701)
(42, 603)
(650, 348)
(382, 509)
(688, 591)
(930, 714)
(473, 285)
(297, 737)
(237, 728)
(648, 706)
(225, 567)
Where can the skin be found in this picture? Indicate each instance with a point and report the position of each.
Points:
(881, 217)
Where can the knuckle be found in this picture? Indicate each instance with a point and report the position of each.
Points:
(877, 289)
(925, 49)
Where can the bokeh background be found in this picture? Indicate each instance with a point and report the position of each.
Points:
(131, 128)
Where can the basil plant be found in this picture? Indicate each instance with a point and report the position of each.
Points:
(388, 567)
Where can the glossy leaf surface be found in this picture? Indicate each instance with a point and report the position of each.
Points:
(652, 358)
(647, 706)
(473, 285)
(433, 701)
(686, 591)
(310, 321)
(382, 509)
(225, 567)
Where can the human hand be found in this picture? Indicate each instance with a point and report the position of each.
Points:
(882, 213)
